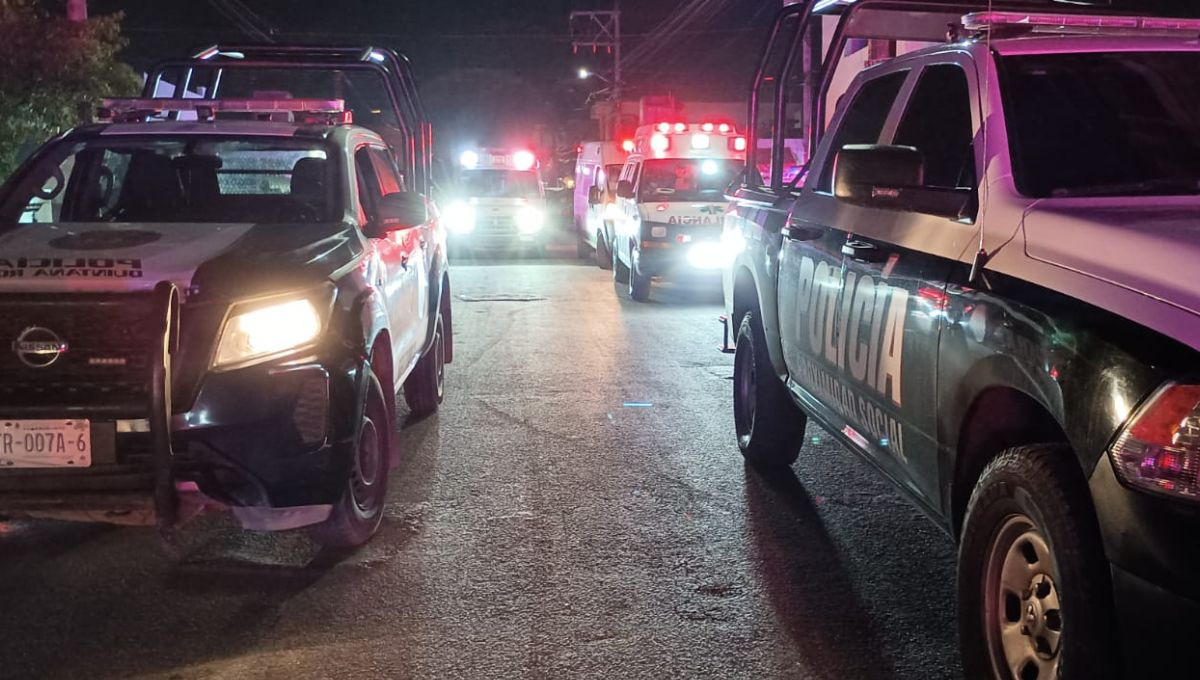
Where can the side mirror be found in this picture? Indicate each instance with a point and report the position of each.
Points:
(892, 177)
(594, 195)
(625, 189)
(396, 212)
(871, 174)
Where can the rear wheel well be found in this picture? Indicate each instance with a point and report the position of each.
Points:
(999, 419)
(745, 297)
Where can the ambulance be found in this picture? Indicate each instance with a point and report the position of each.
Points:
(671, 203)
(498, 203)
(596, 172)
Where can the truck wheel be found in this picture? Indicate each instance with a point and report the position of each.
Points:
(356, 517)
(770, 427)
(639, 284)
(620, 271)
(604, 257)
(426, 386)
(1033, 588)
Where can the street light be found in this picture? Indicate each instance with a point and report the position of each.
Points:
(584, 74)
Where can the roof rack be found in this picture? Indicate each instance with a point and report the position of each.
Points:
(1019, 23)
(315, 111)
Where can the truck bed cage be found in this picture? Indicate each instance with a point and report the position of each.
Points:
(896, 20)
(415, 130)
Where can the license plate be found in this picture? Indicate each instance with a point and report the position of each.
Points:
(45, 443)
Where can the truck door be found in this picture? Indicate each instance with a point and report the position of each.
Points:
(827, 342)
(898, 261)
(394, 275)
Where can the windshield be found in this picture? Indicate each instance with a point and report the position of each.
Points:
(1104, 123)
(612, 174)
(498, 184)
(186, 179)
(677, 179)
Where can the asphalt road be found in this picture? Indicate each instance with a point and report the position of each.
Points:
(578, 509)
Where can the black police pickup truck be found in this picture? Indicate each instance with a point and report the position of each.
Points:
(984, 284)
(217, 308)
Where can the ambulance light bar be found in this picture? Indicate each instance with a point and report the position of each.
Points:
(1075, 23)
(329, 111)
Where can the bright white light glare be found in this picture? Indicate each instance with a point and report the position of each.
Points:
(523, 160)
(700, 141)
(612, 212)
(584, 74)
(681, 127)
(660, 143)
(710, 255)
(376, 57)
(469, 159)
(723, 128)
(459, 217)
(529, 219)
(709, 167)
(268, 330)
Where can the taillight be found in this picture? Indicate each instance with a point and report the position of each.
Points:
(1159, 451)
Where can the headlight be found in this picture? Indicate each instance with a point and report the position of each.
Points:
(529, 219)
(1159, 451)
(612, 213)
(265, 331)
(459, 217)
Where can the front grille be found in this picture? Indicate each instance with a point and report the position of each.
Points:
(497, 225)
(108, 356)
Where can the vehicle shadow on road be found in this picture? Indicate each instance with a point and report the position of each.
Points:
(809, 587)
(673, 294)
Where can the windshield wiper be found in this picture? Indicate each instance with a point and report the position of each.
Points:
(1138, 188)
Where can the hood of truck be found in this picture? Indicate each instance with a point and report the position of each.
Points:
(1145, 248)
(205, 260)
(683, 212)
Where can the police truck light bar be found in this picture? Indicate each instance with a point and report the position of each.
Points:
(206, 109)
(1067, 23)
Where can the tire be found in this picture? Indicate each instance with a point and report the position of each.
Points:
(769, 425)
(356, 517)
(604, 257)
(620, 271)
(1031, 555)
(639, 284)
(426, 386)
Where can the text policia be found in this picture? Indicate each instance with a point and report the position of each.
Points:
(856, 328)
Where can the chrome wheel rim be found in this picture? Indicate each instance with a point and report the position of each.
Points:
(1023, 617)
(745, 396)
(365, 477)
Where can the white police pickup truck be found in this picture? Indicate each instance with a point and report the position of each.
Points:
(215, 311)
(984, 284)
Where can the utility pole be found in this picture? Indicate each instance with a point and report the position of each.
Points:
(77, 10)
(600, 30)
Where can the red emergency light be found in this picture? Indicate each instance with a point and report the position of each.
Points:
(627, 145)
(982, 21)
(523, 160)
(737, 143)
(660, 143)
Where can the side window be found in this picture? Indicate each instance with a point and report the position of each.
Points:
(863, 121)
(368, 184)
(937, 122)
(390, 181)
(762, 126)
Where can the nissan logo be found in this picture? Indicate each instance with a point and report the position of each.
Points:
(38, 347)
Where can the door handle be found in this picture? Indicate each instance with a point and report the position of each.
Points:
(862, 251)
(795, 232)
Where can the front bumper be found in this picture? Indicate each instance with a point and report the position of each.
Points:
(274, 435)
(1154, 556)
(696, 260)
